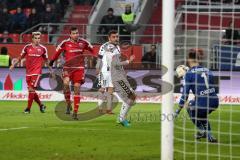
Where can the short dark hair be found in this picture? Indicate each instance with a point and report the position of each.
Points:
(154, 45)
(4, 51)
(112, 32)
(110, 9)
(73, 29)
(196, 54)
(192, 55)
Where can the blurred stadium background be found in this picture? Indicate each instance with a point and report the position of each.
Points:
(212, 25)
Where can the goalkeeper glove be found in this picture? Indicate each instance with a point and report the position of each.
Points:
(177, 112)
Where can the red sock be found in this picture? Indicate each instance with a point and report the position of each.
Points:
(31, 96)
(36, 98)
(76, 103)
(67, 97)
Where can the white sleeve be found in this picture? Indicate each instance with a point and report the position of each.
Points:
(101, 52)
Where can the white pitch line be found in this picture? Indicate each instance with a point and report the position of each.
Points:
(8, 129)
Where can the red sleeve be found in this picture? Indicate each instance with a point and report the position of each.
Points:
(45, 53)
(24, 52)
(89, 48)
(60, 48)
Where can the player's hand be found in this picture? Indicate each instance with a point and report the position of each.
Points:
(52, 75)
(132, 57)
(97, 71)
(82, 81)
(11, 67)
(51, 63)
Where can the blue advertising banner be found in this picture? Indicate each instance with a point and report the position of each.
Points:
(228, 57)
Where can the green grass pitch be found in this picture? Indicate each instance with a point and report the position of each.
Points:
(43, 136)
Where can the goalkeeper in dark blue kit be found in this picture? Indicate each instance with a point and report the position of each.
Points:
(200, 81)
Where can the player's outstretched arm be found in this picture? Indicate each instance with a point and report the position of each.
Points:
(184, 98)
(50, 69)
(14, 64)
(123, 63)
(60, 48)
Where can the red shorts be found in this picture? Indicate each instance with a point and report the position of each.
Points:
(33, 80)
(76, 76)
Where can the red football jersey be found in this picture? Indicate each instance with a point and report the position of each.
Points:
(35, 56)
(74, 52)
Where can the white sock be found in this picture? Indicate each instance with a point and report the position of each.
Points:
(101, 98)
(109, 101)
(123, 112)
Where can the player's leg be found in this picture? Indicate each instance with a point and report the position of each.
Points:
(36, 97)
(193, 114)
(101, 98)
(76, 99)
(32, 82)
(213, 104)
(109, 100)
(126, 106)
(110, 91)
(128, 97)
(77, 78)
(31, 93)
(67, 93)
(203, 118)
(102, 91)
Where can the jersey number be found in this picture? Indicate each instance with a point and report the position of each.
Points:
(204, 76)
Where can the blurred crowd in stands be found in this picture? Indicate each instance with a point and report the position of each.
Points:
(18, 15)
(82, 2)
(212, 2)
(124, 21)
(231, 36)
(150, 57)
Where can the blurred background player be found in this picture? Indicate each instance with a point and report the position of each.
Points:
(103, 69)
(200, 81)
(35, 54)
(75, 49)
(122, 86)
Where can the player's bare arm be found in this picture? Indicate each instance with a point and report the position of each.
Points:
(14, 64)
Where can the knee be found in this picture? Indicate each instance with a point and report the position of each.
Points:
(30, 89)
(101, 90)
(110, 93)
(76, 88)
(110, 90)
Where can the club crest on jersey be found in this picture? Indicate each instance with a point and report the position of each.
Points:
(110, 48)
(80, 45)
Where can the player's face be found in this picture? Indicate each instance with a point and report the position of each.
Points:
(113, 38)
(74, 35)
(36, 39)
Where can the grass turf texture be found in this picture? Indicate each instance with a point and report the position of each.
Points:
(47, 137)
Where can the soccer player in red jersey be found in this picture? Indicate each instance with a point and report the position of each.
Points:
(75, 50)
(35, 54)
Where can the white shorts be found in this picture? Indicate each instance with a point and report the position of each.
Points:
(106, 80)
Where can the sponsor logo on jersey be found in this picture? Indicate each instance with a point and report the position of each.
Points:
(80, 45)
(34, 55)
(207, 91)
(75, 50)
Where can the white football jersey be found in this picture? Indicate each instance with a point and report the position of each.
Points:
(107, 50)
